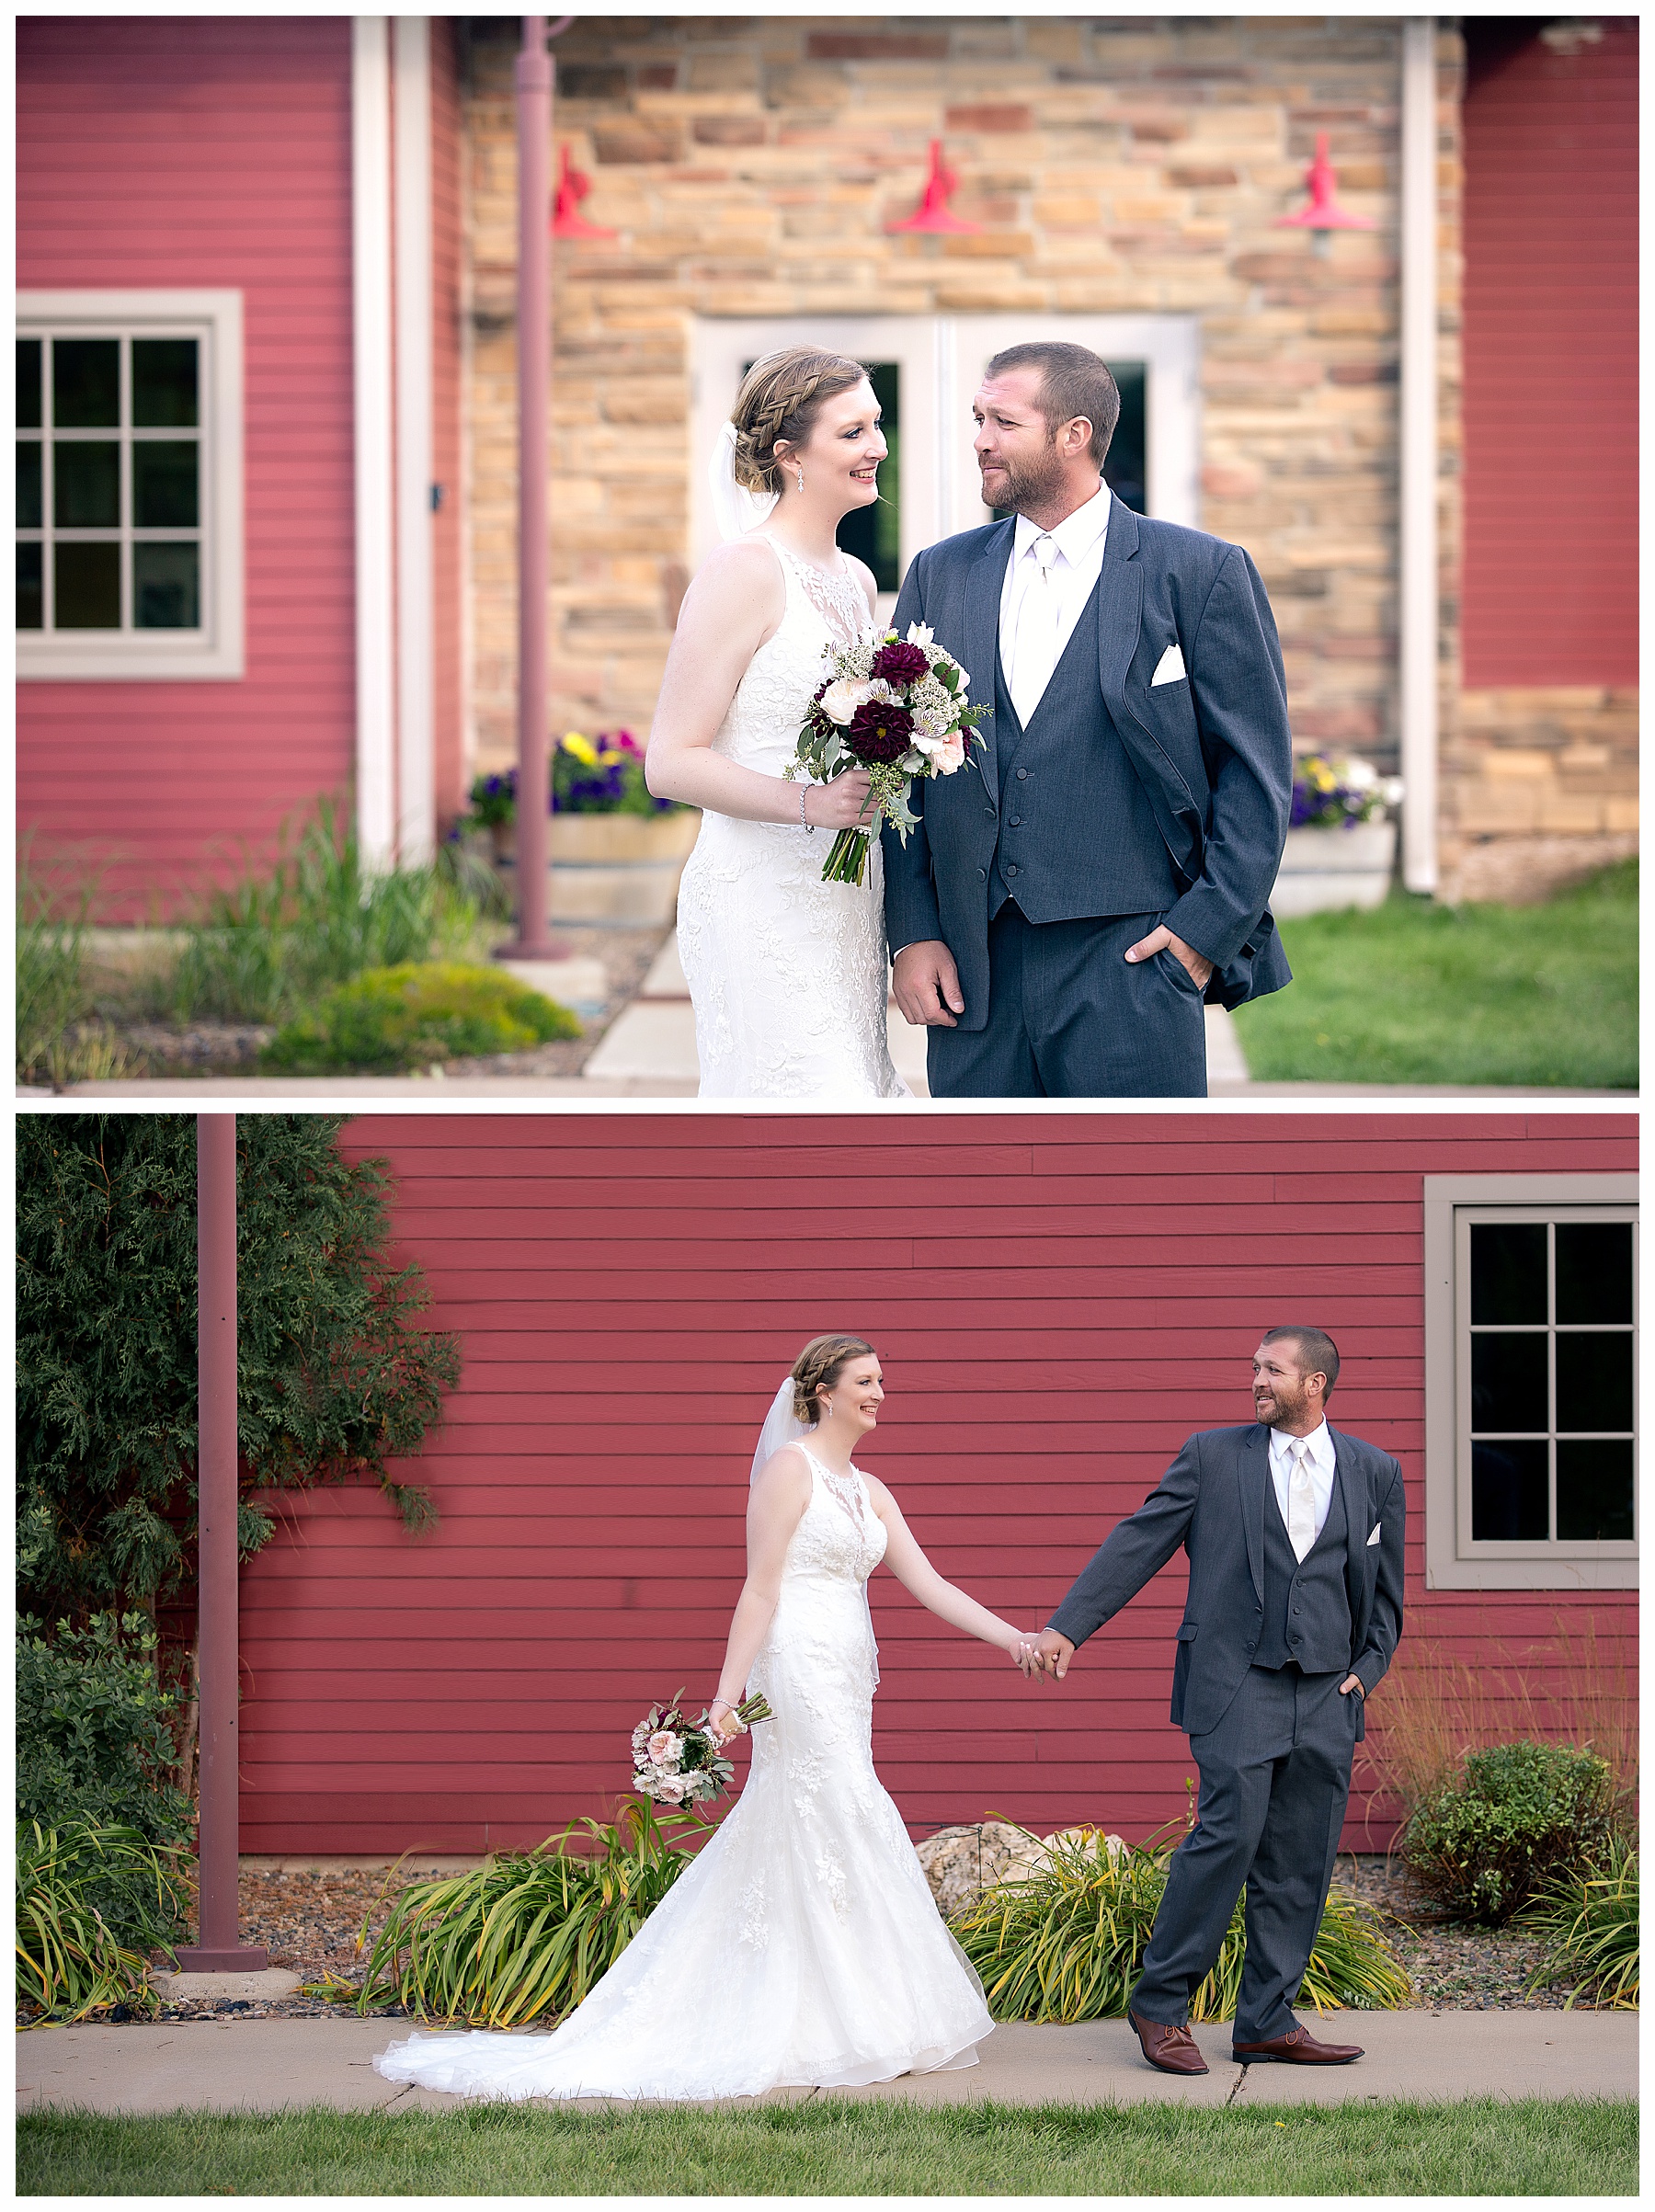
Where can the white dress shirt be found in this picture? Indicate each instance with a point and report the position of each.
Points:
(1318, 1459)
(1032, 636)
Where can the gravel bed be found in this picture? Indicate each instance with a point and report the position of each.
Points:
(1455, 1968)
(309, 1923)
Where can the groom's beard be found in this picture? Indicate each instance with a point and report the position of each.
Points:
(1028, 483)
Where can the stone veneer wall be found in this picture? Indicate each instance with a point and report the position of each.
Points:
(1538, 788)
(750, 166)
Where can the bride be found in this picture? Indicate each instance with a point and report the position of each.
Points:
(801, 1945)
(787, 974)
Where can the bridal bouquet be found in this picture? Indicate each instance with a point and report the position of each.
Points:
(897, 707)
(677, 1762)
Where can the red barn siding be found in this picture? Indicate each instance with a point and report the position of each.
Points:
(448, 704)
(1058, 1303)
(1550, 357)
(200, 151)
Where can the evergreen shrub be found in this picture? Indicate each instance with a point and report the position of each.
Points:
(1487, 1842)
(414, 1015)
(94, 1729)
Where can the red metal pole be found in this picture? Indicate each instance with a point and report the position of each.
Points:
(533, 81)
(217, 1642)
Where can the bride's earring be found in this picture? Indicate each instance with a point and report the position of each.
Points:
(799, 478)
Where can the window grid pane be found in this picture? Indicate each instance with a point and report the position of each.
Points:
(112, 490)
(1549, 1382)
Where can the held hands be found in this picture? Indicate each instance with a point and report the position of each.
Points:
(841, 804)
(1161, 941)
(926, 984)
(1053, 1653)
(1024, 1651)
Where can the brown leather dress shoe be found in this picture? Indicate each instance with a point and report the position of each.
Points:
(1170, 2048)
(1298, 2047)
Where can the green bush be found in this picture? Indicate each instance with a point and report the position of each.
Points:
(414, 1015)
(93, 1898)
(526, 1936)
(94, 1729)
(1589, 1916)
(316, 916)
(1067, 1942)
(1487, 1842)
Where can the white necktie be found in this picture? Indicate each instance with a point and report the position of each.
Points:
(1301, 1499)
(1035, 655)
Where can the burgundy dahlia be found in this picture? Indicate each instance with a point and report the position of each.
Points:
(900, 663)
(879, 731)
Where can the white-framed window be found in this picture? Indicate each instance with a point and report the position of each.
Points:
(925, 371)
(128, 473)
(1531, 1382)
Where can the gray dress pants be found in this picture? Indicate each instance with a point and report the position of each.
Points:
(1274, 1777)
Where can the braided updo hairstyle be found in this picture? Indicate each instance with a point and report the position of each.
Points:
(779, 399)
(819, 1362)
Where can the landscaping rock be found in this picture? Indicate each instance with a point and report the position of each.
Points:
(960, 1864)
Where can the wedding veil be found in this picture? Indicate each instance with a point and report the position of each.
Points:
(782, 1426)
(735, 509)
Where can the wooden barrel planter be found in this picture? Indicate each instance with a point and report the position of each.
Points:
(610, 868)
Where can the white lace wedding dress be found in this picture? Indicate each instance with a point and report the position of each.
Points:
(787, 974)
(801, 1945)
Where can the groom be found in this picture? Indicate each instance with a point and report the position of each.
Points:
(1074, 895)
(1295, 1537)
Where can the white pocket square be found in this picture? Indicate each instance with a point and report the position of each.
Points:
(1375, 1538)
(1169, 668)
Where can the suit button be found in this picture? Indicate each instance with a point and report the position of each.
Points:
(982, 875)
(1023, 775)
(1016, 821)
(1011, 868)
(990, 812)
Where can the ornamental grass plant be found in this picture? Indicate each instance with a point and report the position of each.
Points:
(413, 1015)
(1066, 1943)
(526, 1936)
(59, 1037)
(1484, 1844)
(92, 1900)
(317, 916)
(1589, 1915)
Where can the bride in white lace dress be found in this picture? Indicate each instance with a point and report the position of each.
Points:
(801, 1946)
(787, 974)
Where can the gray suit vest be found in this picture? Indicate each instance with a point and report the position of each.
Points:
(1307, 1604)
(1076, 836)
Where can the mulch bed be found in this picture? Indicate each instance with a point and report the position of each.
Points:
(309, 1923)
(220, 1048)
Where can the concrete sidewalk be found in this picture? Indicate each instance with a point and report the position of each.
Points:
(272, 2065)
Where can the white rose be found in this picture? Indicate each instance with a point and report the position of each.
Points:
(840, 700)
(664, 1748)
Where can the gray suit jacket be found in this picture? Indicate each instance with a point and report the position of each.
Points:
(1211, 751)
(1211, 1500)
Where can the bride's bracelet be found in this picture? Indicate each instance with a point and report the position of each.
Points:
(806, 826)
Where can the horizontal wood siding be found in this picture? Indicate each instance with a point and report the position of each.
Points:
(1550, 357)
(201, 151)
(1057, 1301)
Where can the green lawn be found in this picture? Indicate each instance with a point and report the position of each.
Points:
(1416, 993)
(1484, 2146)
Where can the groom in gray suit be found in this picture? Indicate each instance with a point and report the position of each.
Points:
(1294, 1538)
(1075, 894)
